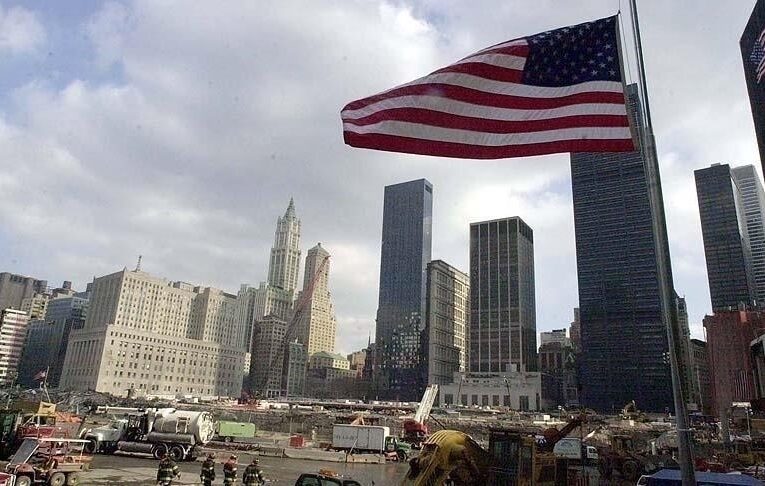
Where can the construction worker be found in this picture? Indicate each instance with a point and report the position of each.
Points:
(253, 476)
(167, 471)
(229, 471)
(207, 475)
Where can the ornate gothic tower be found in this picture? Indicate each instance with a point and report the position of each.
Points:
(285, 255)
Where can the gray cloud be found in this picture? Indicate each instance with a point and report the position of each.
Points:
(222, 112)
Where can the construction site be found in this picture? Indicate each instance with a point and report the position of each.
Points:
(392, 443)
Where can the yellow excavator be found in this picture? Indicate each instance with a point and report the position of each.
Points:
(453, 456)
(514, 459)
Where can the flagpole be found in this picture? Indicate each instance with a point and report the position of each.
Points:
(664, 268)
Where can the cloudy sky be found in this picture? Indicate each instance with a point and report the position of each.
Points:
(179, 130)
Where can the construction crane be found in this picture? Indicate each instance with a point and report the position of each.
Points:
(415, 430)
(305, 298)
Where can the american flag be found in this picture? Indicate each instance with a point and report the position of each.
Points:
(556, 91)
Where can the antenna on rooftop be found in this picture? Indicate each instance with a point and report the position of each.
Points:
(138, 265)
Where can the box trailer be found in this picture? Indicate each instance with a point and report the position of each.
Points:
(229, 431)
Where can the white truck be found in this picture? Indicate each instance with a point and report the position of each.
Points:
(571, 448)
(368, 438)
(154, 431)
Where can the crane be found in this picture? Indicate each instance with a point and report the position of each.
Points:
(415, 429)
(305, 298)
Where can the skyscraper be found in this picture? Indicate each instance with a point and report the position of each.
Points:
(503, 327)
(726, 241)
(753, 199)
(624, 341)
(753, 54)
(13, 331)
(406, 246)
(447, 315)
(15, 288)
(284, 264)
(273, 299)
(318, 325)
(47, 338)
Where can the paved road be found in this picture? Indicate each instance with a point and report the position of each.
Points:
(137, 470)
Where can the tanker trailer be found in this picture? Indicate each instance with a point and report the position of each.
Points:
(153, 431)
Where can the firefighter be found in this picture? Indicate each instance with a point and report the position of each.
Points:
(167, 471)
(229, 471)
(207, 475)
(253, 476)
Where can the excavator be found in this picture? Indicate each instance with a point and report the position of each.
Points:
(512, 459)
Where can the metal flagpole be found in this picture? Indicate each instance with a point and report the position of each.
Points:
(664, 269)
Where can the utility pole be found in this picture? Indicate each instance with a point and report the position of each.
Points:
(664, 269)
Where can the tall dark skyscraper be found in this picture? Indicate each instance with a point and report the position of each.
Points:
(623, 338)
(726, 242)
(406, 246)
(503, 328)
(753, 54)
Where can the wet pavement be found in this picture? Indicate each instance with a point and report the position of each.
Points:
(136, 470)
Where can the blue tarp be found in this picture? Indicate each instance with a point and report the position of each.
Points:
(704, 478)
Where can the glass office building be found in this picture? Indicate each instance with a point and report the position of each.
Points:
(624, 342)
(753, 55)
(726, 242)
(503, 329)
(406, 249)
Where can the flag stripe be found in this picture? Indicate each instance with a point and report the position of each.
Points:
(440, 134)
(485, 71)
(439, 119)
(460, 93)
(391, 143)
(466, 87)
(456, 107)
(499, 60)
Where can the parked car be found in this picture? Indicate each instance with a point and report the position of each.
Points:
(325, 478)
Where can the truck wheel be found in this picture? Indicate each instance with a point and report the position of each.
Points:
(158, 450)
(23, 481)
(228, 439)
(57, 479)
(630, 470)
(73, 479)
(401, 456)
(92, 446)
(177, 453)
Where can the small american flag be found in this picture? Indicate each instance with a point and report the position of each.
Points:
(557, 91)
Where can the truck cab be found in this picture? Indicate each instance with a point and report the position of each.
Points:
(401, 449)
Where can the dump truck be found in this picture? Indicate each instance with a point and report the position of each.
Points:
(228, 431)
(26, 419)
(154, 431)
(49, 461)
(368, 438)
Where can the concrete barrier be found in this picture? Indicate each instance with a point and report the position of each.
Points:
(271, 451)
(330, 456)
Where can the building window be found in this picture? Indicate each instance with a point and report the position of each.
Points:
(524, 403)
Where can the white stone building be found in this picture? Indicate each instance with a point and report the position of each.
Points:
(515, 390)
(13, 331)
(149, 336)
(318, 325)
